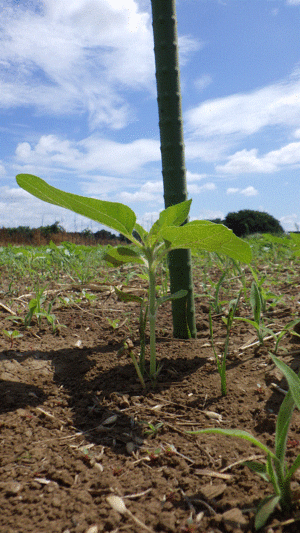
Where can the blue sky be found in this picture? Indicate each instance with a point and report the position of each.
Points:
(78, 106)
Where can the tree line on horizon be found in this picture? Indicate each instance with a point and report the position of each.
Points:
(242, 223)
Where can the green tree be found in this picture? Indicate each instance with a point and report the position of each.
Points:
(247, 222)
(172, 153)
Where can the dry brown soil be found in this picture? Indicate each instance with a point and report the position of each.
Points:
(74, 420)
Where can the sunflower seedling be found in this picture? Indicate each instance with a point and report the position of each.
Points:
(274, 469)
(149, 249)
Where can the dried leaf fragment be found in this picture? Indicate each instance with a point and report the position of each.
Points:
(110, 420)
(213, 415)
(117, 504)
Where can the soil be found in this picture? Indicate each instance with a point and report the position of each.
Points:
(75, 423)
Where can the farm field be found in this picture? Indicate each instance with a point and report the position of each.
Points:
(76, 425)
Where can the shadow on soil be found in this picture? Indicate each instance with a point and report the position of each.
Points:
(99, 402)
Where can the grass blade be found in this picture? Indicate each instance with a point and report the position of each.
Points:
(265, 509)
(239, 433)
(291, 377)
(293, 468)
(258, 468)
(283, 424)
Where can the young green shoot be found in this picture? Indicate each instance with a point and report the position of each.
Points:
(153, 429)
(265, 295)
(113, 323)
(12, 335)
(36, 309)
(221, 363)
(275, 469)
(257, 322)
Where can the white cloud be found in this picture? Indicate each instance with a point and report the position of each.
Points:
(2, 171)
(67, 57)
(248, 191)
(245, 114)
(206, 150)
(101, 186)
(204, 81)
(196, 189)
(209, 214)
(290, 222)
(91, 154)
(293, 2)
(193, 176)
(247, 161)
(151, 191)
(19, 208)
(187, 44)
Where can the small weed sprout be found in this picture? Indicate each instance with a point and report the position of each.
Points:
(113, 323)
(36, 309)
(153, 429)
(12, 335)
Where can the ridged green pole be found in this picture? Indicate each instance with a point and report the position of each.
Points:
(172, 152)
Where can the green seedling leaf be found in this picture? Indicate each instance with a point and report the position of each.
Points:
(205, 235)
(292, 379)
(141, 231)
(127, 297)
(255, 302)
(254, 324)
(32, 304)
(175, 215)
(112, 214)
(12, 335)
(179, 294)
(293, 468)
(239, 433)
(265, 509)
(286, 328)
(258, 468)
(14, 318)
(122, 254)
(273, 475)
(282, 425)
(143, 276)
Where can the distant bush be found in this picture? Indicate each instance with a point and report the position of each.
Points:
(247, 222)
(217, 221)
(53, 229)
(104, 235)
